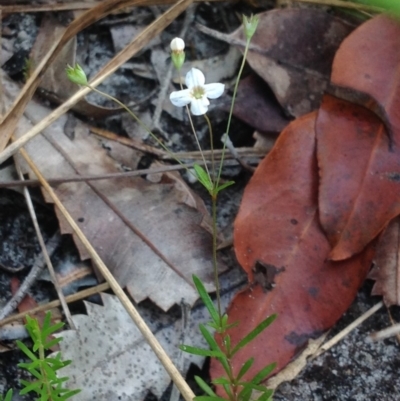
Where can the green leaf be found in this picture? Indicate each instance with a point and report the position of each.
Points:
(244, 369)
(228, 391)
(208, 398)
(209, 338)
(71, 393)
(224, 362)
(254, 333)
(204, 386)
(35, 386)
(200, 351)
(263, 373)
(227, 343)
(8, 395)
(206, 299)
(51, 343)
(245, 394)
(221, 380)
(258, 387)
(226, 185)
(26, 350)
(266, 396)
(203, 177)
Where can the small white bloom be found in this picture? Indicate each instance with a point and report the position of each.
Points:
(177, 45)
(197, 93)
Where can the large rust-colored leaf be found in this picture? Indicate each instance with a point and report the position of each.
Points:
(360, 168)
(279, 242)
(368, 63)
(359, 185)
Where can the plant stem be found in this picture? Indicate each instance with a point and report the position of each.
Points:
(194, 131)
(228, 126)
(144, 126)
(212, 149)
(214, 252)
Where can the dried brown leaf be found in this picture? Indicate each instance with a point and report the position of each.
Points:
(151, 236)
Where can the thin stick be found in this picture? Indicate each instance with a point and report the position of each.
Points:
(37, 268)
(79, 5)
(385, 333)
(53, 304)
(333, 341)
(46, 255)
(136, 173)
(173, 372)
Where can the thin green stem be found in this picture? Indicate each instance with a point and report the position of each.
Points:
(228, 126)
(212, 149)
(214, 252)
(194, 130)
(144, 126)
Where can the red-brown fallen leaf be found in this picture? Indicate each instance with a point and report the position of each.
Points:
(386, 271)
(279, 242)
(359, 177)
(368, 62)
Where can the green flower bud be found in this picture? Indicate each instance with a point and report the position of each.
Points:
(250, 25)
(76, 75)
(177, 54)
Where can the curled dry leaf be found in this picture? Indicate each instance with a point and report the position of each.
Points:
(279, 242)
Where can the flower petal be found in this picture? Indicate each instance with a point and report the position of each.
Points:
(180, 98)
(194, 78)
(214, 90)
(199, 107)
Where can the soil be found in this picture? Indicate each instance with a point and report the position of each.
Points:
(356, 369)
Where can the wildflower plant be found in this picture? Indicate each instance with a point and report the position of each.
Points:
(48, 386)
(195, 97)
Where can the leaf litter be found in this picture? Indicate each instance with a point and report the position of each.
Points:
(135, 212)
(259, 276)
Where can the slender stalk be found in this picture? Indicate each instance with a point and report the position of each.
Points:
(194, 130)
(214, 252)
(228, 126)
(212, 149)
(144, 126)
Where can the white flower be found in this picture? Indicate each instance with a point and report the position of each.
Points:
(197, 93)
(177, 45)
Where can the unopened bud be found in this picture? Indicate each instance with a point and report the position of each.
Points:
(177, 54)
(76, 75)
(177, 45)
(250, 25)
